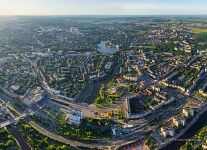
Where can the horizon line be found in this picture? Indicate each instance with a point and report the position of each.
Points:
(110, 15)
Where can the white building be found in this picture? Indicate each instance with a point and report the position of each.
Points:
(188, 112)
(171, 132)
(15, 87)
(183, 122)
(179, 121)
(108, 65)
(165, 131)
(176, 122)
(129, 77)
(75, 117)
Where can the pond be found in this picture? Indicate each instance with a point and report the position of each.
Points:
(103, 48)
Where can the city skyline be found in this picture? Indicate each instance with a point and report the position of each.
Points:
(103, 74)
(102, 7)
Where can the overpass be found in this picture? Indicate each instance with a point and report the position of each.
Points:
(9, 122)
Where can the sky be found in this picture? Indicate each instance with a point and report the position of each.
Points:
(103, 7)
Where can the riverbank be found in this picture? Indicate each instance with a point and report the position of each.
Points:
(188, 132)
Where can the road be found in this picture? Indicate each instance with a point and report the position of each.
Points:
(136, 133)
(90, 92)
(23, 144)
(68, 103)
(67, 141)
(112, 144)
(16, 104)
(199, 124)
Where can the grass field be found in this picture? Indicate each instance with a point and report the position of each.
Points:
(199, 30)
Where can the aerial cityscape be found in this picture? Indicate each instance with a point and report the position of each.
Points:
(129, 81)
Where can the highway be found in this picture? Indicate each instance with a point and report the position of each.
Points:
(105, 144)
(23, 144)
(88, 110)
(137, 132)
(62, 139)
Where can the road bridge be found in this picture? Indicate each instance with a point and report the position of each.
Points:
(9, 122)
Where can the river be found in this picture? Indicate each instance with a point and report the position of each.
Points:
(200, 123)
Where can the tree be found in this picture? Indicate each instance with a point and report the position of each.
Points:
(63, 147)
(9, 143)
(51, 147)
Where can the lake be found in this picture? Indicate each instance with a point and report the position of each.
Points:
(105, 49)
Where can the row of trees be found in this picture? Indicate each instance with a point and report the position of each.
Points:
(201, 37)
(198, 140)
(90, 128)
(7, 141)
(164, 47)
(39, 141)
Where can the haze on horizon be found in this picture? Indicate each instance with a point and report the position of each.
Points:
(103, 7)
